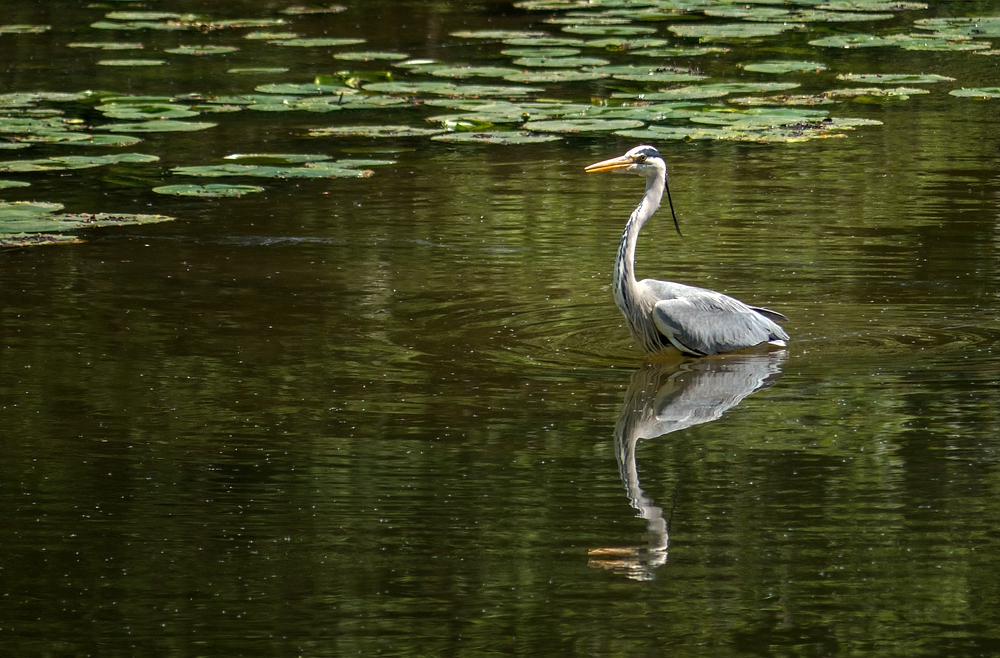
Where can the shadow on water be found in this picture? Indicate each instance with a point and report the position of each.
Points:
(663, 398)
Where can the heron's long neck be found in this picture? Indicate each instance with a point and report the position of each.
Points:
(625, 286)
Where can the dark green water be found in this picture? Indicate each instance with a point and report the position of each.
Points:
(394, 415)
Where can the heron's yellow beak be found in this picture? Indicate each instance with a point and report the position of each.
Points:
(614, 164)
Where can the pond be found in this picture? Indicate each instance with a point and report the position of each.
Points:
(308, 345)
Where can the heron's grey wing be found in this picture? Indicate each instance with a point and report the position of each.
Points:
(707, 322)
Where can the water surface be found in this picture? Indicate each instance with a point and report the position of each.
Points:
(388, 415)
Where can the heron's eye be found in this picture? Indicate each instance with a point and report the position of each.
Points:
(640, 159)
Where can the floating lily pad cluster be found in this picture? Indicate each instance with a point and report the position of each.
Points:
(26, 223)
(643, 69)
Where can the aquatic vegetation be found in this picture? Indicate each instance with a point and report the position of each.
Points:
(372, 131)
(211, 191)
(24, 29)
(131, 62)
(26, 223)
(502, 137)
(784, 66)
(644, 86)
(721, 31)
(201, 50)
(60, 163)
(894, 78)
(4, 184)
(108, 45)
(982, 93)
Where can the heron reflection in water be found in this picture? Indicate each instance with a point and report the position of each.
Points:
(664, 398)
(665, 317)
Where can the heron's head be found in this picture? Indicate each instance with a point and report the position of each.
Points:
(642, 160)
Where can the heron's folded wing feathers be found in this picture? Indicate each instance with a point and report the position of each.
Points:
(712, 323)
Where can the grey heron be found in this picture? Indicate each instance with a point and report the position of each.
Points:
(665, 317)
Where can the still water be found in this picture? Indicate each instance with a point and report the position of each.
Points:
(402, 415)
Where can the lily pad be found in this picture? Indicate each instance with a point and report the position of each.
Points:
(211, 191)
(713, 31)
(784, 66)
(761, 134)
(783, 100)
(541, 52)
(372, 131)
(108, 45)
(448, 89)
(872, 5)
(472, 71)
(309, 170)
(905, 41)
(21, 222)
(681, 52)
(498, 34)
(894, 78)
(303, 89)
(544, 42)
(609, 30)
(554, 76)
(74, 162)
(257, 70)
(148, 16)
(145, 112)
(277, 158)
(560, 62)
(201, 50)
(131, 62)
(822, 16)
(748, 12)
(36, 239)
(582, 125)
(502, 137)
(370, 56)
(271, 36)
(165, 126)
(982, 93)
(625, 43)
(4, 184)
(24, 29)
(899, 93)
(300, 10)
(316, 43)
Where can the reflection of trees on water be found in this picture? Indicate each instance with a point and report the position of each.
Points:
(664, 398)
